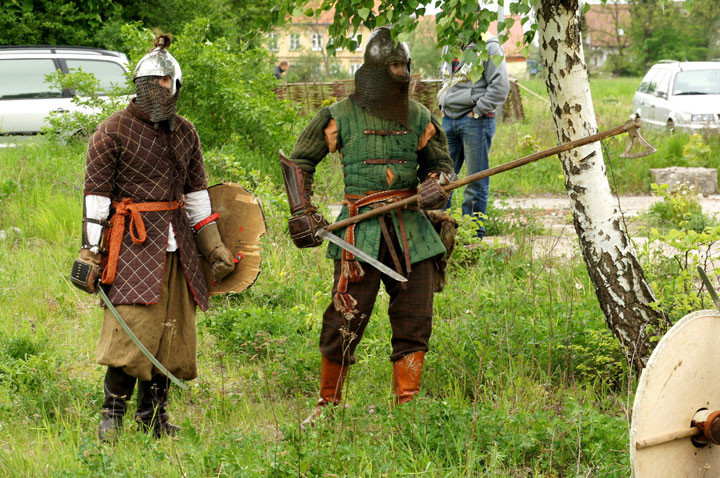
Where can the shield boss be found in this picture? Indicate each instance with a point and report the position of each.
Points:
(241, 225)
(680, 378)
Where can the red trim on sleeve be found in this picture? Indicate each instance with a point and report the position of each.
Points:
(212, 217)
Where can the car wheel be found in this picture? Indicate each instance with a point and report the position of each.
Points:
(670, 126)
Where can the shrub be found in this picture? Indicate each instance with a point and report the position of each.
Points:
(94, 105)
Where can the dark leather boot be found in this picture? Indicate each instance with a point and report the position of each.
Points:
(406, 376)
(332, 378)
(118, 388)
(151, 412)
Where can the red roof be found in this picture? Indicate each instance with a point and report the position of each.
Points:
(607, 24)
(511, 47)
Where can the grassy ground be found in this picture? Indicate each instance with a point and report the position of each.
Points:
(522, 378)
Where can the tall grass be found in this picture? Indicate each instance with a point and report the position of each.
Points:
(522, 379)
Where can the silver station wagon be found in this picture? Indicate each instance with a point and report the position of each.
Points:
(26, 99)
(680, 95)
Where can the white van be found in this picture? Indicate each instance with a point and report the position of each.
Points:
(680, 95)
(26, 99)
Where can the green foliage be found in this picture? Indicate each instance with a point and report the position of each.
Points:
(696, 152)
(596, 358)
(99, 22)
(92, 105)
(678, 209)
(681, 240)
(662, 30)
(229, 95)
(55, 22)
(672, 268)
(306, 68)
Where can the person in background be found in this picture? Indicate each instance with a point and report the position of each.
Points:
(280, 69)
(468, 118)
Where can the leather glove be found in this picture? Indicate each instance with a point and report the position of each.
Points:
(86, 271)
(303, 227)
(221, 260)
(432, 195)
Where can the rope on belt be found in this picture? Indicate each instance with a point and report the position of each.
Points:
(123, 209)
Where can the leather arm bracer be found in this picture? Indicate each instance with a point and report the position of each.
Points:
(295, 180)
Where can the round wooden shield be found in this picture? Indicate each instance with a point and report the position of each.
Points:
(680, 379)
(241, 225)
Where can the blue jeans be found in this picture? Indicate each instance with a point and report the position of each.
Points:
(469, 140)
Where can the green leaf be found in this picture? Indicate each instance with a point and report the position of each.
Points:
(297, 12)
(364, 12)
(586, 8)
(309, 12)
(403, 36)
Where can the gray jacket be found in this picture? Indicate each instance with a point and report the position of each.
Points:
(458, 95)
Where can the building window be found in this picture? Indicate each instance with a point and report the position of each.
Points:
(273, 42)
(294, 41)
(354, 67)
(317, 42)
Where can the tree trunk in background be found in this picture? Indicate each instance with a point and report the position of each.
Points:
(622, 290)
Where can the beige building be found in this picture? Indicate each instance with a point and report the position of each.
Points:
(309, 36)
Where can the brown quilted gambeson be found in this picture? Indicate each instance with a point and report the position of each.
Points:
(129, 157)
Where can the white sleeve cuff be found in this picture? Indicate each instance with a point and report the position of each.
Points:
(96, 207)
(197, 206)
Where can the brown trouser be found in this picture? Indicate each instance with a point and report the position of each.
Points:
(167, 329)
(410, 310)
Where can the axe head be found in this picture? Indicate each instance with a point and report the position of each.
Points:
(632, 127)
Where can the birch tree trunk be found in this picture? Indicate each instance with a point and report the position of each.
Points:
(620, 285)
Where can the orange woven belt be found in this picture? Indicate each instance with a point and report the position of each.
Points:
(138, 234)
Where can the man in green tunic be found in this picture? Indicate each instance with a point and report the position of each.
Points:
(388, 145)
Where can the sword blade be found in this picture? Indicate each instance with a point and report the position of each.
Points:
(709, 286)
(357, 252)
(137, 342)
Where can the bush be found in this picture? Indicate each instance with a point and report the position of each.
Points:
(94, 105)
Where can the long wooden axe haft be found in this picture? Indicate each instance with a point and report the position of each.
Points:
(631, 127)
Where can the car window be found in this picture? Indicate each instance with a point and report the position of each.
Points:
(110, 74)
(647, 80)
(697, 82)
(25, 78)
(652, 85)
(663, 82)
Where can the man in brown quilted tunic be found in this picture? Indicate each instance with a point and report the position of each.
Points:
(145, 172)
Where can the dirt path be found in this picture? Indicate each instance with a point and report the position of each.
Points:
(554, 214)
(630, 205)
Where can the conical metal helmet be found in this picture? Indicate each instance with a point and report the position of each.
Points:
(382, 49)
(160, 62)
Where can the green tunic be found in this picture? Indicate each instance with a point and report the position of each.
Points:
(360, 177)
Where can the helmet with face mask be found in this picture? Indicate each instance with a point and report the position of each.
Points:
(379, 90)
(156, 101)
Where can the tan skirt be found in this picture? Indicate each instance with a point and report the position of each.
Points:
(167, 329)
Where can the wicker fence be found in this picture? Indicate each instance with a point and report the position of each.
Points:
(311, 96)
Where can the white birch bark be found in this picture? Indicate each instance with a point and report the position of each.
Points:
(620, 285)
